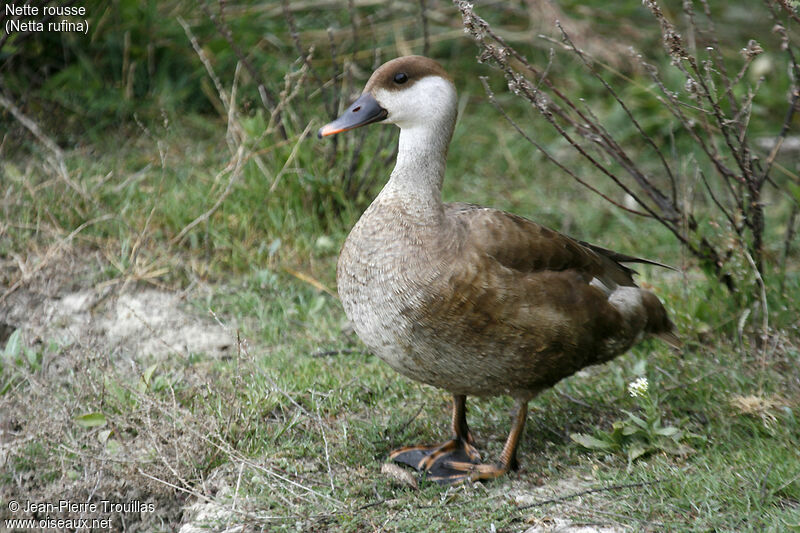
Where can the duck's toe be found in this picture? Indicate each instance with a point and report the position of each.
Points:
(453, 462)
(475, 472)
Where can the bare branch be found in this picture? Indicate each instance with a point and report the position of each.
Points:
(547, 154)
(655, 194)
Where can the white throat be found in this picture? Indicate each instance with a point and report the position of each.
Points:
(426, 115)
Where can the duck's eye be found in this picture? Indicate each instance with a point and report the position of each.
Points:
(400, 77)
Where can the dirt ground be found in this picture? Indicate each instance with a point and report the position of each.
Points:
(84, 330)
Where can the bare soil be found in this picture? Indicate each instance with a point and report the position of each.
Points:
(87, 332)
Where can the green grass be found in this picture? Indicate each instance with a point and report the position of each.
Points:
(294, 424)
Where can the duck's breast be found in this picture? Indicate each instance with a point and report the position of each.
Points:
(381, 273)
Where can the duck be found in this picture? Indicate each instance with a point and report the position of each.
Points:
(469, 299)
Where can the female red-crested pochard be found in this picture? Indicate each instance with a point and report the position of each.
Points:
(470, 299)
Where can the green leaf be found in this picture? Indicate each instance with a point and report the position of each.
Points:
(587, 441)
(629, 430)
(669, 431)
(636, 420)
(91, 420)
(148, 373)
(635, 451)
(13, 345)
(34, 358)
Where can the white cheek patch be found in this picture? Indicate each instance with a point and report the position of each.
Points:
(388, 101)
(419, 103)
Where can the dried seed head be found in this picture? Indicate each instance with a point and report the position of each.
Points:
(752, 50)
(674, 44)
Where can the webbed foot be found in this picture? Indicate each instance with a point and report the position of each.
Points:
(457, 460)
(448, 463)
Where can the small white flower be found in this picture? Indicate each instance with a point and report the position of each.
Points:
(638, 387)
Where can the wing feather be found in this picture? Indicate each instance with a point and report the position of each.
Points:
(521, 244)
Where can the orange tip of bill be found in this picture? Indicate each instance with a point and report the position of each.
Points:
(328, 129)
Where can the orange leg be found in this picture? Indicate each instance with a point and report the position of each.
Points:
(460, 428)
(434, 460)
(508, 457)
(457, 460)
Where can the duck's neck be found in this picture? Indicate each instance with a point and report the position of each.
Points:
(416, 181)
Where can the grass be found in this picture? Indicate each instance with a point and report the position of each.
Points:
(288, 429)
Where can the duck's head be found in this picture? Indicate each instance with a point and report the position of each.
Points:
(410, 92)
